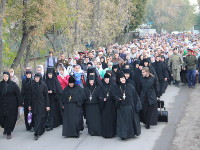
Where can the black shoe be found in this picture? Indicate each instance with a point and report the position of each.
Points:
(4, 132)
(9, 136)
(49, 129)
(32, 129)
(147, 126)
(36, 137)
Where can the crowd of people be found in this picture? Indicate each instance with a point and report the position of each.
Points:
(114, 88)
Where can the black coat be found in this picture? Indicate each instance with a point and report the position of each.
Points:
(26, 91)
(108, 110)
(54, 119)
(128, 121)
(137, 74)
(160, 69)
(39, 98)
(149, 89)
(72, 99)
(10, 100)
(92, 109)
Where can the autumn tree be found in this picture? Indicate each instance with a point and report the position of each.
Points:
(170, 15)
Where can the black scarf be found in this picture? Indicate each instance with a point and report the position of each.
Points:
(28, 82)
(51, 84)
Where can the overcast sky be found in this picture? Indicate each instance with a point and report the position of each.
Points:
(193, 1)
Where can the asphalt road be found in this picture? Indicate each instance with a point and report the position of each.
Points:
(159, 137)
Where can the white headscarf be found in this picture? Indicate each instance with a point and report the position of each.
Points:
(66, 71)
(42, 67)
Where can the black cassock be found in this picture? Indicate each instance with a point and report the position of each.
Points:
(72, 99)
(149, 94)
(26, 96)
(54, 119)
(128, 121)
(108, 110)
(10, 100)
(92, 109)
(39, 102)
(136, 78)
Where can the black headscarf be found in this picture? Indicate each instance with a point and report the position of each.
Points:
(94, 71)
(28, 81)
(5, 84)
(51, 82)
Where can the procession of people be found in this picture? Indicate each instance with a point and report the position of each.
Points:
(112, 91)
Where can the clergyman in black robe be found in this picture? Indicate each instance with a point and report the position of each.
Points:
(26, 96)
(92, 107)
(10, 102)
(39, 105)
(54, 118)
(108, 108)
(128, 107)
(72, 97)
(149, 94)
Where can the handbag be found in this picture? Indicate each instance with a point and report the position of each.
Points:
(29, 117)
(162, 114)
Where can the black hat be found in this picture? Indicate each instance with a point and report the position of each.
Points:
(72, 79)
(146, 60)
(91, 70)
(50, 70)
(38, 75)
(106, 76)
(190, 50)
(90, 63)
(120, 75)
(127, 71)
(81, 53)
(115, 66)
(141, 63)
(28, 72)
(7, 73)
(92, 77)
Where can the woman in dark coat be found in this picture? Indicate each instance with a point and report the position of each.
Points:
(149, 94)
(39, 105)
(54, 118)
(128, 107)
(92, 107)
(73, 97)
(103, 62)
(26, 96)
(108, 108)
(10, 102)
(137, 74)
(129, 76)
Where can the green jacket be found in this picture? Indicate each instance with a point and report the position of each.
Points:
(191, 62)
(175, 61)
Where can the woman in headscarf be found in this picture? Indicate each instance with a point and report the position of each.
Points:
(128, 107)
(13, 77)
(26, 95)
(149, 94)
(54, 92)
(39, 105)
(40, 69)
(115, 71)
(92, 106)
(72, 98)
(63, 77)
(10, 102)
(108, 108)
(103, 62)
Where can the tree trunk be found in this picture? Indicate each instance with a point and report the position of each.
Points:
(26, 60)
(2, 8)
(24, 40)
